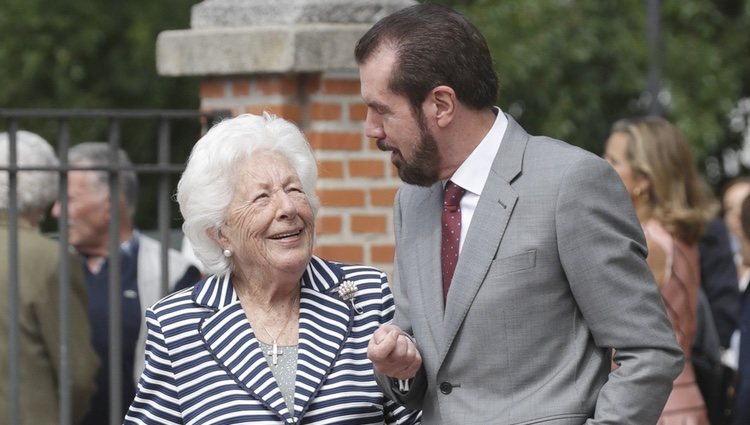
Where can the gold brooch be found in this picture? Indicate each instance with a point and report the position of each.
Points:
(347, 292)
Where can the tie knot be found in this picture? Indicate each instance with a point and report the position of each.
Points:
(452, 195)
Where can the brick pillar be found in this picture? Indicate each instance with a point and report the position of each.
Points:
(295, 58)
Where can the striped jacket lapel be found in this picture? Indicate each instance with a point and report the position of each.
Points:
(324, 325)
(232, 343)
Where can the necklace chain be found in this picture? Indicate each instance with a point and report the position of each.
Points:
(286, 323)
(274, 339)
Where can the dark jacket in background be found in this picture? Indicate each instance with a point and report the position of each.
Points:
(719, 278)
(742, 400)
(39, 330)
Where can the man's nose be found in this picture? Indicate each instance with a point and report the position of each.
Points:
(374, 126)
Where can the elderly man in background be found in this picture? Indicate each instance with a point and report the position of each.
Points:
(38, 296)
(140, 269)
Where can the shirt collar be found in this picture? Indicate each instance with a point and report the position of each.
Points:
(473, 172)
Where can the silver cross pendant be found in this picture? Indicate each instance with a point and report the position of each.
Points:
(275, 352)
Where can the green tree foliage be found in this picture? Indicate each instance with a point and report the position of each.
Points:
(78, 54)
(569, 68)
(89, 54)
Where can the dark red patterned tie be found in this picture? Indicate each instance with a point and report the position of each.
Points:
(451, 226)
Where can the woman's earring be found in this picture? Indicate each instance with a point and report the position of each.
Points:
(227, 253)
(636, 192)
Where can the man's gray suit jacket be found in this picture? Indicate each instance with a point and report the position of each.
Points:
(551, 276)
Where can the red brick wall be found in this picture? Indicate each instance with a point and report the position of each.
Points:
(356, 182)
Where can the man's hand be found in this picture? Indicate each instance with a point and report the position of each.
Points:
(393, 353)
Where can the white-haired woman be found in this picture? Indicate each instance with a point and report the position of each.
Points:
(38, 295)
(274, 334)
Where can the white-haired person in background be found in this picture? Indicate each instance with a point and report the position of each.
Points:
(273, 334)
(38, 295)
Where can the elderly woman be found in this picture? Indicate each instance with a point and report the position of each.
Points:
(274, 334)
(38, 301)
(655, 164)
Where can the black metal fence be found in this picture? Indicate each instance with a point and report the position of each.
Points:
(163, 168)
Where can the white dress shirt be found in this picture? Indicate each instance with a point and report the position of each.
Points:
(472, 174)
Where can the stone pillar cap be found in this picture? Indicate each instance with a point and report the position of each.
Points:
(246, 13)
(239, 37)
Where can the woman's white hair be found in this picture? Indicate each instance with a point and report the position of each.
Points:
(207, 185)
(36, 190)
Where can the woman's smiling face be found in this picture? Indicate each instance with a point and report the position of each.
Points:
(269, 224)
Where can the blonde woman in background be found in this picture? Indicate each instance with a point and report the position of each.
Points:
(655, 164)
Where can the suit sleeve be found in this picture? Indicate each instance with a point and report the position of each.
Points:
(394, 413)
(602, 250)
(156, 399)
(719, 278)
(741, 406)
(415, 395)
(83, 361)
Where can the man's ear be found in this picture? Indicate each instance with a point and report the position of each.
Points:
(444, 102)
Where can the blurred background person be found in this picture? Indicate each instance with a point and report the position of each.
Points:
(718, 309)
(38, 290)
(657, 168)
(741, 413)
(718, 276)
(89, 216)
(732, 195)
(274, 334)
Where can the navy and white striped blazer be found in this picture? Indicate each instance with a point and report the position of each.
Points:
(204, 365)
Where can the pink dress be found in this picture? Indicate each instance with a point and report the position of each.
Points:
(679, 289)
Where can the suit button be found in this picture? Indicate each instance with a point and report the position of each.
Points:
(446, 388)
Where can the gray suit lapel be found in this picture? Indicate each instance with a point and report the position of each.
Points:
(485, 232)
(427, 260)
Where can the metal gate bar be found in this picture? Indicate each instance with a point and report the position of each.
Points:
(163, 168)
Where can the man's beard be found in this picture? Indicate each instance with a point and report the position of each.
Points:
(422, 169)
